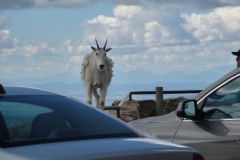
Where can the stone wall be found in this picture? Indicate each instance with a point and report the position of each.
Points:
(132, 109)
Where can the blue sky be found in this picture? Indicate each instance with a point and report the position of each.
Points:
(154, 42)
(49, 24)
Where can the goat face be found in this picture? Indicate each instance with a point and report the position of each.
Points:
(100, 59)
(100, 56)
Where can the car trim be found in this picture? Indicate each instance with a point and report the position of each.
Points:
(5, 144)
(227, 119)
(217, 87)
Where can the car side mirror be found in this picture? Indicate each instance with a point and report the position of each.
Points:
(188, 109)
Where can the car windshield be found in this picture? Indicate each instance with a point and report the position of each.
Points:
(40, 118)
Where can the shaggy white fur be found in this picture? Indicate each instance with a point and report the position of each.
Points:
(97, 72)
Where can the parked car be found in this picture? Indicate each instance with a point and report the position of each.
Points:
(209, 123)
(39, 125)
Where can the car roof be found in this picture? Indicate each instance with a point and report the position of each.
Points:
(217, 82)
(18, 90)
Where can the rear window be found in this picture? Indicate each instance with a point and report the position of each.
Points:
(39, 118)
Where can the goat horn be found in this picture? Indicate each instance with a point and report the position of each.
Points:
(105, 44)
(97, 43)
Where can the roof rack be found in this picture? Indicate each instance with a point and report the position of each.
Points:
(2, 90)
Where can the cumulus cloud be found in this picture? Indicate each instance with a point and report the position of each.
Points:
(33, 68)
(47, 67)
(189, 60)
(110, 21)
(32, 49)
(142, 38)
(155, 33)
(132, 25)
(75, 47)
(128, 12)
(222, 24)
(38, 60)
(7, 42)
(119, 27)
(13, 47)
(76, 59)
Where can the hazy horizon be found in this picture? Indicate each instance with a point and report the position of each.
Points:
(154, 42)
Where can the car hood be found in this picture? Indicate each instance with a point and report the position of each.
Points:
(162, 127)
(107, 149)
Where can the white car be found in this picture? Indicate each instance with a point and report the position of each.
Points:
(40, 125)
(210, 123)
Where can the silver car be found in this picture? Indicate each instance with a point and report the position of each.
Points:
(209, 123)
(40, 125)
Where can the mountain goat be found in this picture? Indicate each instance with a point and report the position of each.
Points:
(97, 73)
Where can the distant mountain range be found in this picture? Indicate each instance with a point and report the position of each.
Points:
(118, 91)
(70, 83)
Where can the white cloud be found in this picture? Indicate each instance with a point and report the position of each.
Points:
(76, 59)
(68, 46)
(155, 33)
(7, 44)
(131, 25)
(221, 24)
(127, 11)
(101, 19)
(142, 38)
(124, 28)
(6, 40)
(4, 34)
(75, 47)
(44, 68)
(31, 49)
(144, 41)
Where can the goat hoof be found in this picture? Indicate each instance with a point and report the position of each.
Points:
(101, 104)
(89, 102)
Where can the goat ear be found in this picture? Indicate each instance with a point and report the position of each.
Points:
(108, 49)
(93, 48)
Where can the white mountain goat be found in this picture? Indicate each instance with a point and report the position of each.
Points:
(97, 73)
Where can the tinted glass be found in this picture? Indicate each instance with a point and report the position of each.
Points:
(189, 109)
(29, 118)
(224, 103)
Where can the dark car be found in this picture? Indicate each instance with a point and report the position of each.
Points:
(36, 124)
(209, 123)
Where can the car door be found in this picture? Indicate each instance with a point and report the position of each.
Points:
(217, 135)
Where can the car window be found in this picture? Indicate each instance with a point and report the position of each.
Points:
(19, 116)
(224, 103)
(29, 118)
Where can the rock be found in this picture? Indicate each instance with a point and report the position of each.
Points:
(129, 111)
(147, 108)
(132, 110)
(171, 104)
